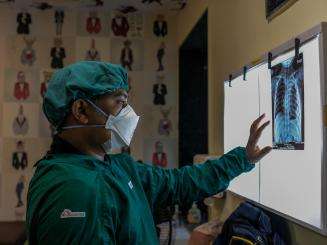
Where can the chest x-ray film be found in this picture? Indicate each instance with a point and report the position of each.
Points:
(288, 104)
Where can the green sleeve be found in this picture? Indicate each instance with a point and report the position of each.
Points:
(166, 187)
(51, 224)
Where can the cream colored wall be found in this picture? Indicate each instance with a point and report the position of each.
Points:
(238, 34)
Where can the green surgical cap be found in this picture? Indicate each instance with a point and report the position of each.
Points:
(82, 80)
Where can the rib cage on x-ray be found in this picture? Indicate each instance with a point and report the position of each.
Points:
(287, 113)
(287, 101)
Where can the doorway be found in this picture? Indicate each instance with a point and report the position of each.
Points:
(193, 93)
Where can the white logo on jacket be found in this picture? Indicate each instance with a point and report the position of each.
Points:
(130, 184)
(69, 214)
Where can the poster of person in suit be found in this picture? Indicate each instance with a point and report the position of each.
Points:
(59, 17)
(20, 124)
(93, 48)
(28, 55)
(58, 54)
(165, 124)
(21, 120)
(160, 27)
(160, 55)
(120, 25)
(21, 89)
(24, 19)
(93, 23)
(45, 83)
(93, 54)
(19, 157)
(20, 186)
(159, 157)
(21, 85)
(126, 56)
(161, 152)
(128, 52)
(18, 197)
(159, 91)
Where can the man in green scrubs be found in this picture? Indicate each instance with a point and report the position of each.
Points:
(81, 194)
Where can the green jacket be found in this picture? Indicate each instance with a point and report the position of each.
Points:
(77, 199)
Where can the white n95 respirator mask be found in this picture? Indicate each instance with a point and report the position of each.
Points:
(121, 126)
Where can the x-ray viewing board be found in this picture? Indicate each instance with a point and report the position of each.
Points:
(291, 180)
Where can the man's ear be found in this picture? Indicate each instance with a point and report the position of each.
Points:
(79, 111)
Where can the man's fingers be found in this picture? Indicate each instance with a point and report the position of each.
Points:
(256, 135)
(256, 122)
(262, 127)
(265, 151)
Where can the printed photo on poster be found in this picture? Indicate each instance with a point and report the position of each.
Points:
(160, 27)
(159, 90)
(287, 88)
(24, 20)
(58, 21)
(160, 152)
(93, 48)
(20, 186)
(93, 23)
(15, 187)
(45, 78)
(127, 25)
(61, 52)
(57, 53)
(120, 24)
(28, 56)
(21, 85)
(128, 53)
(20, 124)
(59, 18)
(20, 119)
(21, 154)
(160, 56)
(20, 190)
(165, 125)
(39, 53)
(93, 54)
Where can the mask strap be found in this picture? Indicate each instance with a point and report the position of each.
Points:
(83, 126)
(98, 108)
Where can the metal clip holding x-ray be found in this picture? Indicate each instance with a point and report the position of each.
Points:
(245, 69)
(269, 60)
(297, 48)
(230, 80)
